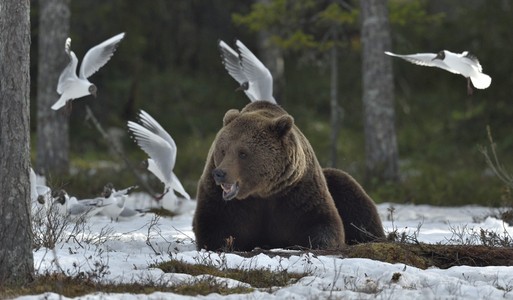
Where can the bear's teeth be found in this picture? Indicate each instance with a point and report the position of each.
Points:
(226, 187)
(230, 191)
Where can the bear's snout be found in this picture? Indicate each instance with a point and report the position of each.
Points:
(219, 175)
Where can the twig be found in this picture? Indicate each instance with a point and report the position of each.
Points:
(119, 152)
(154, 222)
(493, 162)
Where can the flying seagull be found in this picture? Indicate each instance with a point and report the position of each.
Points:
(463, 63)
(254, 78)
(161, 149)
(70, 85)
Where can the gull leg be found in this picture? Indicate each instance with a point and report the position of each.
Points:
(67, 108)
(158, 198)
(470, 91)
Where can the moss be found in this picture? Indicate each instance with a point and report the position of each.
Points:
(418, 255)
(389, 252)
(77, 286)
(163, 212)
(259, 278)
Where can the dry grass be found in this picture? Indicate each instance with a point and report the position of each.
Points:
(75, 286)
(259, 278)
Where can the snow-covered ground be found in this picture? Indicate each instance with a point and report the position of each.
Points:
(129, 247)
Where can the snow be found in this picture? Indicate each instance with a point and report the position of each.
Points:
(129, 247)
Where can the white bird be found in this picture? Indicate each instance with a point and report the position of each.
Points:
(254, 78)
(117, 198)
(161, 149)
(71, 207)
(129, 213)
(38, 192)
(70, 85)
(463, 63)
(115, 207)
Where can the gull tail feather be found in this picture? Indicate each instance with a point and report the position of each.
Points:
(481, 81)
(60, 103)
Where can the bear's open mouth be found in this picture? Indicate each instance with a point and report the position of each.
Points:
(230, 190)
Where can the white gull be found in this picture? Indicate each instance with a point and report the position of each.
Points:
(70, 85)
(463, 63)
(74, 208)
(254, 78)
(161, 149)
(118, 201)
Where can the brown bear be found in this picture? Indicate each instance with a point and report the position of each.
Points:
(357, 210)
(262, 186)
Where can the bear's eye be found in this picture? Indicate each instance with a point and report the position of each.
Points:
(222, 152)
(242, 155)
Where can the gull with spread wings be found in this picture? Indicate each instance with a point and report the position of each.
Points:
(254, 78)
(161, 149)
(70, 85)
(464, 64)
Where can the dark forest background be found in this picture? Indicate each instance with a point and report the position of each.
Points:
(169, 65)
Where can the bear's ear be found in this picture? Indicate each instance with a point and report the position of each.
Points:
(282, 125)
(230, 116)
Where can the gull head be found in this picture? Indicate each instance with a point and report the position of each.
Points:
(243, 87)
(107, 190)
(440, 55)
(60, 197)
(41, 199)
(92, 90)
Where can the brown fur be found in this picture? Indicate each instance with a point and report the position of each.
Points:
(282, 199)
(357, 210)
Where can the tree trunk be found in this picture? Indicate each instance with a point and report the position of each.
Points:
(334, 107)
(381, 154)
(16, 259)
(52, 126)
(272, 57)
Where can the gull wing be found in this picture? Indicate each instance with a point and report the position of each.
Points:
(259, 78)
(155, 146)
(471, 60)
(177, 186)
(123, 191)
(232, 64)
(99, 55)
(152, 167)
(33, 190)
(423, 59)
(69, 74)
(151, 124)
(128, 212)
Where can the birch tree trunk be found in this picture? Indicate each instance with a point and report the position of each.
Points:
(381, 154)
(52, 126)
(16, 259)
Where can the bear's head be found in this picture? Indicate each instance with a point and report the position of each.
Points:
(256, 153)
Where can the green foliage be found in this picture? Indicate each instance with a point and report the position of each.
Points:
(413, 13)
(168, 65)
(335, 15)
(299, 25)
